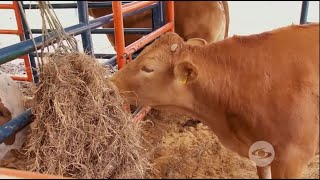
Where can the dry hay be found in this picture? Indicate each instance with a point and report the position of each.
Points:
(81, 129)
(183, 148)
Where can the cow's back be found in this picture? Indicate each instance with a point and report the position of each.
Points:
(193, 19)
(290, 51)
(201, 19)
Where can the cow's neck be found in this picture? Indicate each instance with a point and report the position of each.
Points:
(217, 101)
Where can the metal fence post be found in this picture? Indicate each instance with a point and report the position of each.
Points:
(156, 16)
(304, 12)
(31, 56)
(84, 18)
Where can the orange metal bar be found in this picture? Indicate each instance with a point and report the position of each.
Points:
(19, 78)
(18, 18)
(170, 12)
(148, 38)
(28, 71)
(130, 4)
(5, 31)
(6, 6)
(22, 38)
(136, 5)
(119, 33)
(28, 67)
(15, 7)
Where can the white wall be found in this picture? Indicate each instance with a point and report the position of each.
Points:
(245, 18)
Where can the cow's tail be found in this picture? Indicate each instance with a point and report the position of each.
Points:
(226, 10)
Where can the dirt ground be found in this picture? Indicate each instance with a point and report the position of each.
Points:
(183, 148)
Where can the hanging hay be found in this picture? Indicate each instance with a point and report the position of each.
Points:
(81, 129)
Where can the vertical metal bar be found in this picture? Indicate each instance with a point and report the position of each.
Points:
(156, 17)
(162, 12)
(119, 33)
(18, 15)
(84, 18)
(170, 14)
(304, 12)
(31, 56)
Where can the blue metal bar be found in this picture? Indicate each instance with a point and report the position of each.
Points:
(110, 31)
(105, 56)
(304, 12)
(156, 16)
(17, 50)
(162, 9)
(139, 10)
(113, 60)
(31, 57)
(102, 4)
(84, 18)
(15, 125)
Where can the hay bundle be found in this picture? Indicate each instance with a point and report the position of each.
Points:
(81, 129)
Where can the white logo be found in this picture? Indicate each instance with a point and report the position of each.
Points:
(262, 153)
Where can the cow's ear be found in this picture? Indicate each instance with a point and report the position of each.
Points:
(185, 72)
(197, 41)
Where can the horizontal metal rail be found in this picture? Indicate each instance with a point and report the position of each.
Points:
(147, 39)
(9, 31)
(110, 31)
(15, 125)
(25, 47)
(6, 6)
(74, 5)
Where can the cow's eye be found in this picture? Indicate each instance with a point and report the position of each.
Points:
(146, 69)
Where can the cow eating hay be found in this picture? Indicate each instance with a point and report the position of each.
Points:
(81, 129)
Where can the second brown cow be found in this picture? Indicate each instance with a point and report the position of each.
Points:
(208, 20)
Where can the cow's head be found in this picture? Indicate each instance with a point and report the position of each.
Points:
(161, 75)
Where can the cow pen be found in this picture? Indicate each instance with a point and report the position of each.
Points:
(162, 21)
(84, 29)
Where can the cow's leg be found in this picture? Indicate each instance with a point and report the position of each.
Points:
(290, 164)
(286, 170)
(264, 172)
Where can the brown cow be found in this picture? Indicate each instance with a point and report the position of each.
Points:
(262, 87)
(208, 20)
